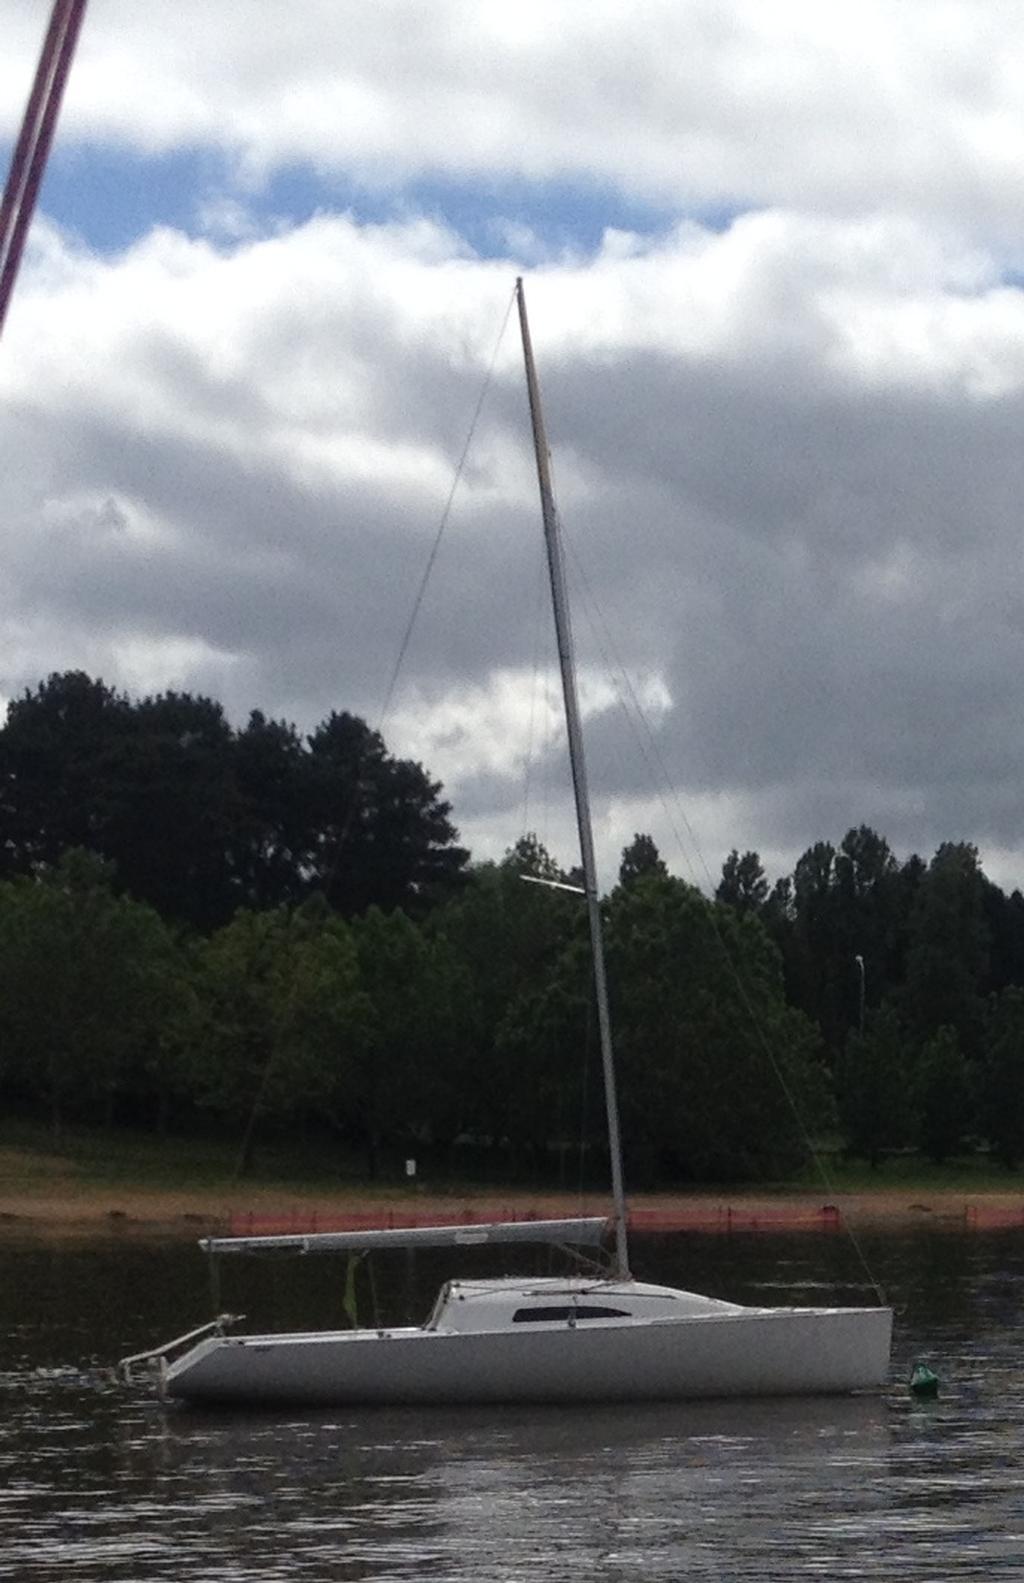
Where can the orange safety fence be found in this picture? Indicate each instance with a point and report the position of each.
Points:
(709, 1218)
(712, 1218)
(725, 1218)
(988, 1217)
(307, 1222)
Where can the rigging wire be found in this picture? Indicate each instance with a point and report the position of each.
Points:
(345, 825)
(651, 754)
(350, 811)
(442, 525)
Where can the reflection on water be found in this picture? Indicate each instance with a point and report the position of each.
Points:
(99, 1484)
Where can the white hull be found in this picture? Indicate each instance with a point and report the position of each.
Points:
(735, 1352)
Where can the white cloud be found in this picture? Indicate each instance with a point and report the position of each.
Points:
(509, 724)
(787, 449)
(148, 665)
(835, 108)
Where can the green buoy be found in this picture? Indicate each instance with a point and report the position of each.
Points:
(923, 1383)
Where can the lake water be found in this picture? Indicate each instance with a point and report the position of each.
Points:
(99, 1483)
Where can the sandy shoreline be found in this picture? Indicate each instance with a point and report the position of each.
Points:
(80, 1209)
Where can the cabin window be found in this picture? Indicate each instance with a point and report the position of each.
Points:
(540, 1316)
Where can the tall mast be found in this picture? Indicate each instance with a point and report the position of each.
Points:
(32, 150)
(577, 759)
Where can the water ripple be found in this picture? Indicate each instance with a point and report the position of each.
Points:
(101, 1485)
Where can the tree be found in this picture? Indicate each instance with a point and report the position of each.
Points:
(843, 903)
(272, 834)
(947, 962)
(1004, 920)
(541, 1050)
(777, 912)
(389, 1094)
(282, 1019)
(381, 832)
(177, 808)
(713, 1061)
(146, 786)
(743, 884)
(812, 882)
(864, 864)
(818, 963)
(1002, 1077)
(640, 858)
(501, 937)
(59, 751)
(702, 1036)
(200, 820)
(873, 1089)
(943, 1096)
(327, 1030)
(531, 857)
(89, 986)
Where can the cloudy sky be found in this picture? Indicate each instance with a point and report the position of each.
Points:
(774, 258)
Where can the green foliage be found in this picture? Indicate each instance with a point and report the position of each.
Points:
(541, 1051)
(947, 962)
(641, 858)
(408, 1085)
(270, 838)
(532, 858)
(349, 979)
(743, 884)
(699, 1058)
(1004, 924)
(719, 1076)
(282, 1021)
(1002, 1077)
(382, 835)
(199, 819)
(90, 990)
(59, 752)
(874, 1087)
(843, 903)
(505, 935)
(943, 1096)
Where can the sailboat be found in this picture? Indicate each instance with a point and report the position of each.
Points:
(583, 1338)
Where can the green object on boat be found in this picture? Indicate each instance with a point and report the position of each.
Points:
(923, 1382)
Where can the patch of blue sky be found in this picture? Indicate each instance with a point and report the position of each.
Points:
(110, 197)
(493, 217)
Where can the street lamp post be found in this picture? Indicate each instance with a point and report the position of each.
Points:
(860, 966)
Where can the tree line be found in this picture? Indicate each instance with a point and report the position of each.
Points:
(267, 934)
(913, 972)
(200, 819)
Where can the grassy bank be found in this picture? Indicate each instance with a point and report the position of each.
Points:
(974, 1173)
(128, 1181)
